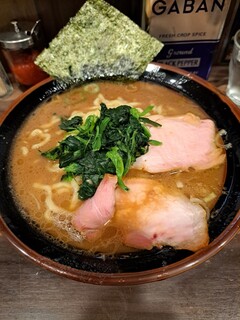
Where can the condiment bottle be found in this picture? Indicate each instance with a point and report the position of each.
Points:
(20, 52)
(5, 84)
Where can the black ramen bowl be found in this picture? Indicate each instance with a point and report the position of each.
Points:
(144, 266)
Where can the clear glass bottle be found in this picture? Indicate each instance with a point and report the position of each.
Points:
(5, 84)
(233, 88)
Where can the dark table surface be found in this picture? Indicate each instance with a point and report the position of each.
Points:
(209, 291)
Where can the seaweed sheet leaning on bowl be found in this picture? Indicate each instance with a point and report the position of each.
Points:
(98, 42)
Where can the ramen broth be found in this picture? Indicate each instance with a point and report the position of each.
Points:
(50, 204)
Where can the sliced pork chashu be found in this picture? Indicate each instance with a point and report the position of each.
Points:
(187, 142)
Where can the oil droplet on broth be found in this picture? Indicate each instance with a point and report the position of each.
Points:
(21, 192)
(20, 162)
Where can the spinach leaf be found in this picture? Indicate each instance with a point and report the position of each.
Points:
(109, 143)
(117, 160)
(70, 124)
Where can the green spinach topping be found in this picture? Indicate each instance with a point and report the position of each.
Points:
(109, 143)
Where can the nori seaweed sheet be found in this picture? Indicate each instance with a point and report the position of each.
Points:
(99, 42)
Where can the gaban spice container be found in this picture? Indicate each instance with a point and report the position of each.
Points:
(20, 50)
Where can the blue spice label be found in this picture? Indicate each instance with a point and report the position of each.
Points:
(189, 29)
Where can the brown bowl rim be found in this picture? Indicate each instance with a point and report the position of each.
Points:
(130, 278)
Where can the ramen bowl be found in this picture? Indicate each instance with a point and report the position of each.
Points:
(134, 267)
